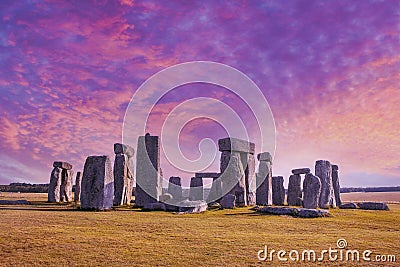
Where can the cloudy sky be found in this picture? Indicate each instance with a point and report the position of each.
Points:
(330, 71)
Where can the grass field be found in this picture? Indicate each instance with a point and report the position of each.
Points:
(56, 234)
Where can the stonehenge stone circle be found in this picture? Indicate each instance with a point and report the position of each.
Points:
(278, 191)
(175, 187)
(148, 172)
(294, 190)
(312, 191)
(323, 170)
(264, 179)
(301, 171)
(123, 174)
(336, 184)
(196, 189)
(97, 186)
(77, 194)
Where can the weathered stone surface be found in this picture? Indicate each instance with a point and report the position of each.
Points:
(348, 206)
(77, 194)
(123, 180)
(294, 191)
(188, 206)
(233, 177)
(54, 186)
(278, 210)
(301, 171)
(196, 189)
(250, 178)
(14, 202)
(311, 213)
(228, 201)
(323, 170)
(151, 206)
(167, 197)
(207, 174)
(97, 187)
(278, 191)
(373, 206)
(264, 184)
(124, 149)
(235, 144)
(336, 184)
(312, 191)
(296, 212)
(148, 173)
(265, 156)
(66, 185)
(215, 191)
(175, 187)
(62, 165)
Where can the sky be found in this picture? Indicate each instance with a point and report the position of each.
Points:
(330, 71)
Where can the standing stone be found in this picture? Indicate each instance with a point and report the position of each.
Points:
(228, 201)
(54, 186)
(336, 184)
(294, 190)
(97, 189)
(124, 149)
(148, 173)
(264, 179)
(250, 179)
(123, 180)
(77, 195)
(233, 177)
(312, 191)
(215, 191)
(66, 185)
(323, 170)
(196, 189)
(175, 187)
(278, 191)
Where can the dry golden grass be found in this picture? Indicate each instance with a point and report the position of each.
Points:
(51, 234)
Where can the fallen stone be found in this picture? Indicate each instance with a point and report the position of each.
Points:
(188, 206)
(235, 144)
(154, 206)
(323, 170)
(301, 171)
(348, 206)
(15, 202)
(278, 210)
(294, 190)
(214, 206)
(312, 191)
(62, 165)
(373, 206)
(228, 201)
(124, 149)
(97, 187)
(54, 185)
(278, 191)
(265, 156)
(311, 213)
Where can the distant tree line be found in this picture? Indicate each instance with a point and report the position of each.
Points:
(370, 189)
(25, 188)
